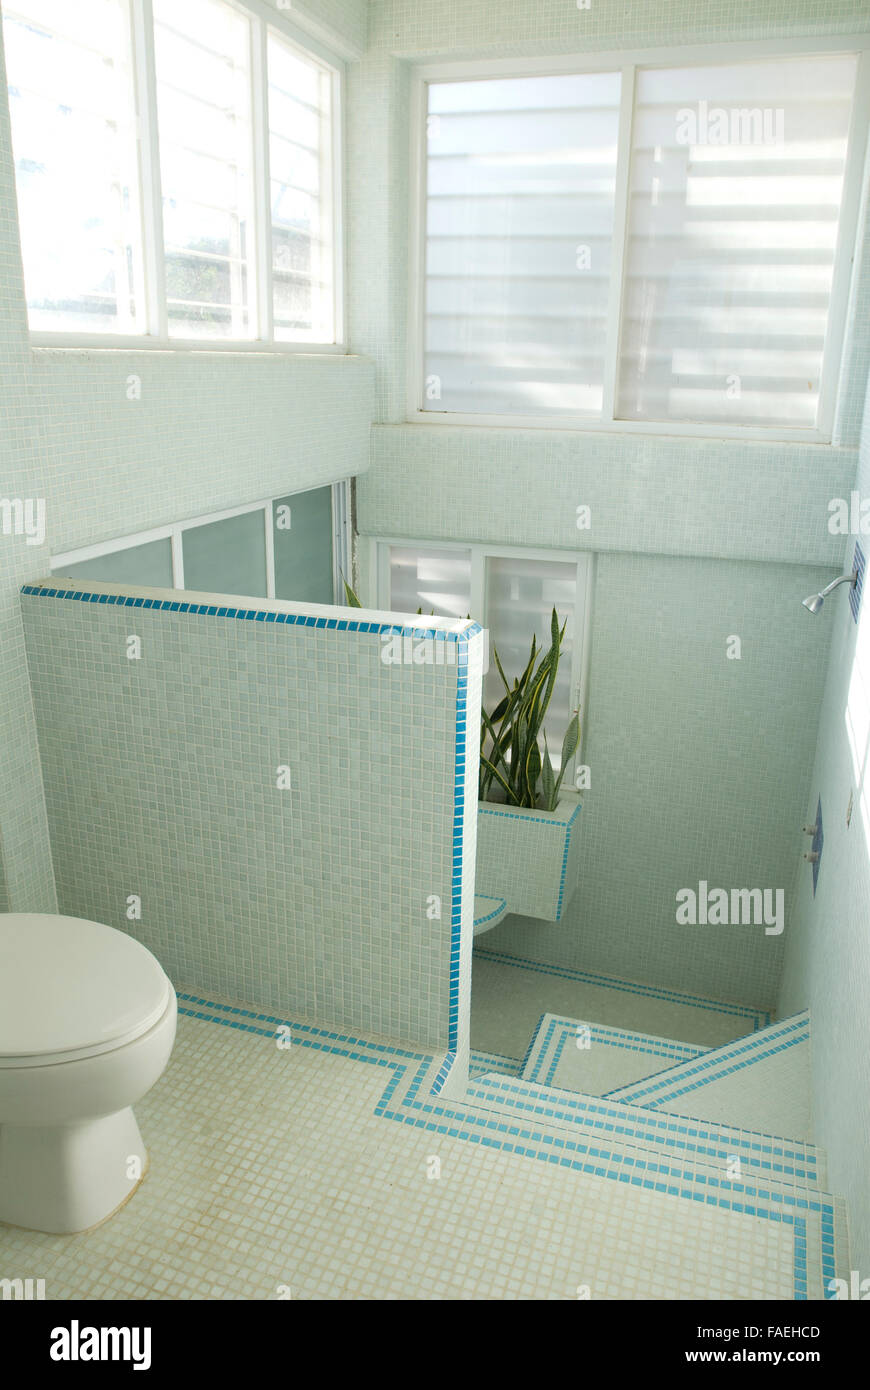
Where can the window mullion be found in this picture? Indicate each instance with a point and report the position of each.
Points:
(841, 308)
(269, 524)
(149, 154)
(619, 245)
(177, 557)
(262, 257)
(478, 586)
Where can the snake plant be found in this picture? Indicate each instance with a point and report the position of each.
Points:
(510, 747)
(511, 766)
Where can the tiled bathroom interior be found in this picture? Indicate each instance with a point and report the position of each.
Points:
(427, 1050)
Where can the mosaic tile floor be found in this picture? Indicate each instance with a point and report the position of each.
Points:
(278, 1171)
(509, 995)
(576, 1056)
(762, 1081)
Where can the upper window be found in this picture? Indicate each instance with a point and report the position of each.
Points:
(295, 547)
(219, 225)
(638, 246)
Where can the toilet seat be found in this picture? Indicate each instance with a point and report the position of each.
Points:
(71, 989)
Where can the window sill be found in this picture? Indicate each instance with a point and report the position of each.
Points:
(61, 342)
(568, 424)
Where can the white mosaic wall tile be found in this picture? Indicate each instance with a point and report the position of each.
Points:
(698, 772)
(529, 857)
(287, 821)
(211, 431)
(342, 22)
(699, 767)
(660, 496)
(26, 882)
(827, 962)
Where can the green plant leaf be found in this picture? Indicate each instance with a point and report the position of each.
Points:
(500, 669)
(494, 772)
(350, 597)
(569, 746)
(533, 772)
(548, 781)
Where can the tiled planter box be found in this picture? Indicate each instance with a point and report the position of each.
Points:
(530, 858)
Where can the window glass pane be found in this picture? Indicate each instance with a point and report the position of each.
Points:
(150, 563)
(300, 157)
(303, 546)
(226, 557)
(520, 597)
(737, 177)
(74, 137)
(438, 581)
(202, 50)
(519, 218)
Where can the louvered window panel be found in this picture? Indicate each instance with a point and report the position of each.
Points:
(436, 580)
(520, 597)
(519, 222)
(736, 185)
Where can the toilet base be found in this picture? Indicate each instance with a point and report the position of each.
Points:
(66, 1178)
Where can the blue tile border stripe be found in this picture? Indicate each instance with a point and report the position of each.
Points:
(759, 1017)
(774, 1156)
(559, 1030)
(405, 1100)
(497, 911)
(717, 1063)
(257, 615)
(541, 818)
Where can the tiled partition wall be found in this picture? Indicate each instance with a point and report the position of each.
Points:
(289, 808)
(827, 961)
(203, 431)
(699, 764)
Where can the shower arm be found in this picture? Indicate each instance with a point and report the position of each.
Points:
(843, 579)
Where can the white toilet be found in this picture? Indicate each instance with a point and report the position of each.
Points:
(87, 1023)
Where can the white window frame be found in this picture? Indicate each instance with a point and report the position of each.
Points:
(175, 531)
(262, 17)
(379, 586)
(627, 63)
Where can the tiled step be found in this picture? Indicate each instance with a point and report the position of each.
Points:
(588, 1057)
(488, 912)
(705, 1148)
(760, 1082)
(480, 1063)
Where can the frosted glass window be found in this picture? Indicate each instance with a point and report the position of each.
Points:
(435, 580)
(520, 181)
(149, 564)
(303, 547)
(736, 185)
(74, 134)
(202, 50)
(520, 597)
(300, 160)
(227, 557)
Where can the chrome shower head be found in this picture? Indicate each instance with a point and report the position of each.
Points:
(814, 602)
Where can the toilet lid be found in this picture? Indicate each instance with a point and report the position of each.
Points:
(67, 985)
